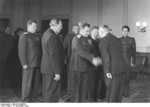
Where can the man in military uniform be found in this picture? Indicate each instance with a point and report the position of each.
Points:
(81, 58)
(30, 57)
(113, 64)
(67, 48)
(129, 54)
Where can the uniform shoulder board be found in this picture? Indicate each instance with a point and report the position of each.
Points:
(25, 33)
(78, 36)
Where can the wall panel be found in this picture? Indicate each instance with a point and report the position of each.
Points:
(85, 11)
(112, 15)
(18, 14)
(139, 10)
(51, 7)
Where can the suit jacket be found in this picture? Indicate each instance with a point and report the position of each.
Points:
(95, 47)
(6, 46)
(96, 52)
(128, 49)
(30, 49)
(16, 41)
(81, 56)
(68, 45)
(52, 53)
(111, 52)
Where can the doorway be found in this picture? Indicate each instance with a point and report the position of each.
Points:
(4, 22)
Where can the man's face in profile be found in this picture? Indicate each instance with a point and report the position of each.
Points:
(59, 27)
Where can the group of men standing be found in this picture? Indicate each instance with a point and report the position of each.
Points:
(95, 67)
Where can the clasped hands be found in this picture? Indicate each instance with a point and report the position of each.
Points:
(97, 61)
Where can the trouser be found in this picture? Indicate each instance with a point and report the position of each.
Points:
(79, 86)
(51, 88)
(4, 82)
(91, 85)
(115, 87)
(127, 82)
(100, 86)
(17, 72)
(30, 84)
(69, 73)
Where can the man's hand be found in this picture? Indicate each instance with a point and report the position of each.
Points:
(131, 62)
(25, 67)
(97, 61)
(132, 65)
(65, 60)
(109, 75)
(57, 77)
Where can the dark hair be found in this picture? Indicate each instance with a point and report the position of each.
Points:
(127, 27)
(18, 30)
(84, 25)
(29, 22)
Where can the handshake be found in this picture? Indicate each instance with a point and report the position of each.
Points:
(96, 61)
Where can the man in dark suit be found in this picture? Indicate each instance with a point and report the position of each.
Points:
(67, 48)
(81, 58)
(52, 61)
(129, 55)
(6, 48)
(96, 86)
(10, 46)
(30, 57)
(17, 65)
(113, 65)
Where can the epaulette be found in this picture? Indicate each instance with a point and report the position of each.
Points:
(25, 33)
(78, 36)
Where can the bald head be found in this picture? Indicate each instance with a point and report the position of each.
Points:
(56, 25)
(54, 22)
(103, 30)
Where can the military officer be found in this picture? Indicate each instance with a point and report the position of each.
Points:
(81, 58)
(67, 48)
(129, 54)
(30, 58)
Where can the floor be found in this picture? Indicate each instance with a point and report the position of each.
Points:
(139, 92)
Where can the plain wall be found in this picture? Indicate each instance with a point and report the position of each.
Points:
(115, 13)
